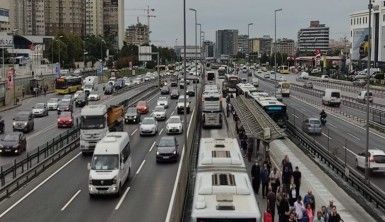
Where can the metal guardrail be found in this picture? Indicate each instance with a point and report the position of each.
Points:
(13, 176)
(343, 172)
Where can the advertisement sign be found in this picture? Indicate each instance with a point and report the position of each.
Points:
(145, 53)
(57, 70)
(360, 43)
(6, 41)
(10, 77)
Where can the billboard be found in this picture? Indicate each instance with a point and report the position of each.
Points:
(145, 53)
(360, 43)
(6, 41)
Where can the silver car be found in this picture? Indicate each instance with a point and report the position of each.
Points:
(159, 113)
(39, 110)
(148, 126)
(174, 125)
(53, 103)
(312, 126)
(162, 101)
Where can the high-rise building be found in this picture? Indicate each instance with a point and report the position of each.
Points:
(113, 21)
(313, 38)
(5, 25)
(34, 18)
(94, 17)
(226, 42)
(359, 29)
(243, 43)
(137, 34)
(285, 46)
(261, 45)
(65, 16)
(208, 49)
(17, 15)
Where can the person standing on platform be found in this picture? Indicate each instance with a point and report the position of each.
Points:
(265, 180)
(297, 179)
(256, 177)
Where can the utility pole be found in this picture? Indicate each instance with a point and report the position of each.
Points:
(275, 49)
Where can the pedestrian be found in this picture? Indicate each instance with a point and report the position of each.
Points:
(283, 208)
(329, 209)
(297, 179)
(309, 199)
(274, 179)
(264, 180)
(299, 209)
(334, 216)
(318, 218)
(324, 213)
(271, 199)
(45, 91)
(250, 147)
(256, 176)
(228, 109)
(309, 212)
(287, 171)
(292, 193)
(292, 217)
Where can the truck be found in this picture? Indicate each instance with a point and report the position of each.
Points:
(90, 84)
(212, 110)
(96, 121)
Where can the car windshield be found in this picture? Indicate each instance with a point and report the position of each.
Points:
(105, 162)
(64, 105)
(314, 121)
(159, 109)
(131, 110)
(148, 121)
(21, 117)
(92, 122)
(166, 142)
(174, 120)
(379, 158)
(11, 138)
(65, 114)
(53, 100)
(39, 106)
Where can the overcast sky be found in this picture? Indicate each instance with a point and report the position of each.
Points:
(236, 14)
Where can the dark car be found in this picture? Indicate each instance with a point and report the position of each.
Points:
(174, 84)
(167, 149)
(194, 79)
(119, 84)
(23, 121)
(81, 100)
(14, 143)
(108, 89)
(165, 90)
(132, 115)
(174, 94)
(64, 106)
(190, 91)
(1, 125)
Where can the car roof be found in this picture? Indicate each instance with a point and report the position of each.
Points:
(376, 152)
(175, 117)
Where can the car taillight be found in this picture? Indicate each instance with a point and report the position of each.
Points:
(58, 120)
(70, 120)
(371, 159)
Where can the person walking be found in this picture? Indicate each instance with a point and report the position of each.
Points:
(334, 216)
(256, 177)
(324, 213)
(274, 179)
(228, 109)
(297, 179)
(309, 199)
(299, 209)
(283, 208)
(287, 171)
(318, 218)
(265, 180)
(309, 213)
(271, 200)
(292, 193)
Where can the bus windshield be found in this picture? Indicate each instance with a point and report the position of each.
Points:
(61, 84)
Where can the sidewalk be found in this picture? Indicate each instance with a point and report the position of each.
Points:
(323, 187)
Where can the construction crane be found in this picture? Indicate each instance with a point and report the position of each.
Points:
(148, 14)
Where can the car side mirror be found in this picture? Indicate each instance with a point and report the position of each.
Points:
(89, 166)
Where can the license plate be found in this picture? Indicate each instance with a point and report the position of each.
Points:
(166, 157)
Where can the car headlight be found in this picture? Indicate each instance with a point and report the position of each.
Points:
(174, 152)
(114, 180)
(14, 123)
(157, 152)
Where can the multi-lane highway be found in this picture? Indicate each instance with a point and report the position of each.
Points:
(148, 191)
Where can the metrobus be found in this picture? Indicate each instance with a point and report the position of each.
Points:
(283, 88)
(275, 109)
(68, 84)
(284, 69)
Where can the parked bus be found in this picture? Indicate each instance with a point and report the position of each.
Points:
(68, 84)
(284, 70)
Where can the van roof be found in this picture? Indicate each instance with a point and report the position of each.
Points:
(112, 143)
(332, 90)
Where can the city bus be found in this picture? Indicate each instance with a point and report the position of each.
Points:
(284, 70)
(68, 84)
(283, 88)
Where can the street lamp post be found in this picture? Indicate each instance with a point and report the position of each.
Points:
(13, 66)
(200, 56)
(184, 75)
(275, 47)
(248, 36)
(196, 41)
(370, 6)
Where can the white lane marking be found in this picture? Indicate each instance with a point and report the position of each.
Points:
(38, 186)
(349, 150)
(294, 115)
(172, 200)
(140, 167)
(69, 202)
(152, 146)
(152, 97)
(329, 124)
(161, 131)
(172, 113)
(122, 198)
(134, 132)
(326, 136)
(353, 136)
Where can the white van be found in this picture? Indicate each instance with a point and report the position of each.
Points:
(332, 97)
(362, 96)
(111, 165)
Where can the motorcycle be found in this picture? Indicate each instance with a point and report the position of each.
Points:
(323, 121)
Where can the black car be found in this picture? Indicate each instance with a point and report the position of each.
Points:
(64, 106)
(23, 121)
(132, 115)
(190, 91)
(174, 84)
(174, 94)
(14, 143)
(108, 89)
(81, 100)
(1, 125)
(165, 90)
(167, 149)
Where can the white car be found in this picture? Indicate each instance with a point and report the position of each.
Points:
(162, 101)
(148, 126)
(159, 113)
(137, 81)
(376, 160)
(53, 103)
(281, 79)
(174, 125)
(93, 97)
(77, 93)
(39, 110)
(267, 76)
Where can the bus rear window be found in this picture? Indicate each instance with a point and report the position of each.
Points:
(335, 94)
